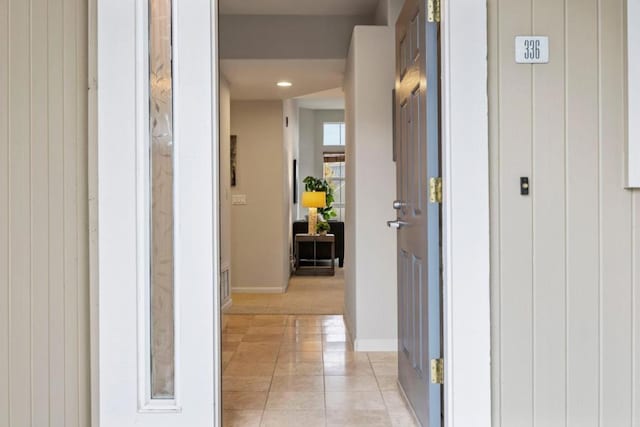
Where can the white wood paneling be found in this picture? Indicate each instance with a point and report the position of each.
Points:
(565, 258)
(43, 211)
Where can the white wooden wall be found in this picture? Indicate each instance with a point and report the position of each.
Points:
(44, 308)
(566, 259)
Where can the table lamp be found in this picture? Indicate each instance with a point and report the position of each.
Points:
(314, 200)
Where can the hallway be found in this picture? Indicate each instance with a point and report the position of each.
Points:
(305, 295)
(300, 370)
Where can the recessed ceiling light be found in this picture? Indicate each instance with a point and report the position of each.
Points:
(284, 84)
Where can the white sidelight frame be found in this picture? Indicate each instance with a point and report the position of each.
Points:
(467, 327)
(632, 166)
(118, 149)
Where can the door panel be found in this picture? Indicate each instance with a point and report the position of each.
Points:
(419, 231)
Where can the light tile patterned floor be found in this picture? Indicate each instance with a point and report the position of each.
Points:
(300, 371)
(305, 295)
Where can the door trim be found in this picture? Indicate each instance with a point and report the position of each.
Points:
(466, 221)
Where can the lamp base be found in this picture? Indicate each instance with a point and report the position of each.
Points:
(313, 220)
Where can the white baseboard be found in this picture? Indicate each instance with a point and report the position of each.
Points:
(259, 290)
(228, 303)
(375, 345)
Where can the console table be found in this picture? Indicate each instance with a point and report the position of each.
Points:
(306, 251)
(315, 269)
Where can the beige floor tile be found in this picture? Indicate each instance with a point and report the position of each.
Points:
(357, 418)
(293, 400)
(239, 369)
(231, 418)
(358, 400)
(302, 338)
(342, 338)
(346, 356)
(385, 368)
(270, 320)
(230, 383)
(356, 368)
(309, 418)
(394, 401)
(297, 383)
(301, 346)
(265, 330)
(262, 338)
(244, 400)
(251, 357)
(387, 382)
(227, 355)
(383, 356)
(258, 347)
(237, 330)
(300, 356)
(337, 346)
(230, 346)
(334, 329)
(402, 419)
(298, 368)
(353, 383)
(232, 337)
(303, 329)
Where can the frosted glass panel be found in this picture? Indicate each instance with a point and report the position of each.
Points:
(161, 209)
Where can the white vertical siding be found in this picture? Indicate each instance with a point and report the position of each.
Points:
(565, 259)
(44, 352)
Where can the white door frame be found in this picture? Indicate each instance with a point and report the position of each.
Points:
(467, 328)
(118, 131)
(467, 342)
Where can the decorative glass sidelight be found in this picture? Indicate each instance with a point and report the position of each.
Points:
(161, 192)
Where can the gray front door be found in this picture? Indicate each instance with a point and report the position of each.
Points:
(419, 233)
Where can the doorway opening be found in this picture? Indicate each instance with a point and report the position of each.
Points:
(309, 327)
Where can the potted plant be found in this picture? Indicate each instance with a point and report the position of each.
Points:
(323, 228)
(317, 184)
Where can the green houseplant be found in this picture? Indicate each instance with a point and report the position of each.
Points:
(318, 184)
(323, 227)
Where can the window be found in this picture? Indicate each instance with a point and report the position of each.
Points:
(334, 173)
(333, 134)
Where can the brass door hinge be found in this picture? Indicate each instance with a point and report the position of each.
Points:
(435, 190)
(437, 371)
(433, 10)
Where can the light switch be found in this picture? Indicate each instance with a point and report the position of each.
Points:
(239, 199)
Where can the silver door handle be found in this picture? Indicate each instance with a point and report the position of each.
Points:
(397, 224)
(398, 204)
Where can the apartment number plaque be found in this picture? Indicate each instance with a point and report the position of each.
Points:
(532, 50)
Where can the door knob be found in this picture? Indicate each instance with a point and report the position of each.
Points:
(398, 204)
(396, 224)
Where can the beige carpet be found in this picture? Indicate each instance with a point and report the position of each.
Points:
(305, 295)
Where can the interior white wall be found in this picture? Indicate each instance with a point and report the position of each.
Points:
(370, 281)
(322, 117)
(259, 243)
(387, 12)
(311, 143)
(225, 174)
(291, 152)
(307, 153)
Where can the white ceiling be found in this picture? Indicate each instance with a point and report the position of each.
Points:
(255, 79)
(297, 7)
(332, 99)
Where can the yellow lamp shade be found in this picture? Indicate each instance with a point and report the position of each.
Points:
(314, 199)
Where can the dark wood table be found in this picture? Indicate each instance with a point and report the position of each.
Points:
(316, 269)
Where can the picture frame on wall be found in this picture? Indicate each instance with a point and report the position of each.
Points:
(234, 159)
